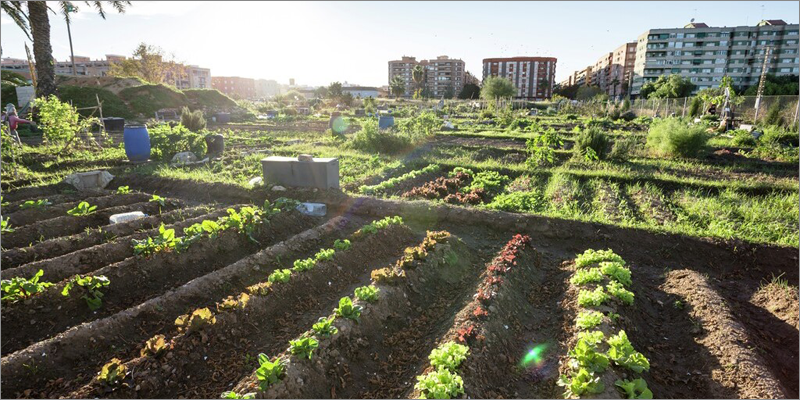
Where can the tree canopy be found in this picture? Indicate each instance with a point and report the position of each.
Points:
(470, 91)
(667, 87)
(785, 85)
(495, 87)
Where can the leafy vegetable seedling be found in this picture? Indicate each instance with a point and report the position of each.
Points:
(341, 245)
(91, 285)
(18, 287)
(449, 355)
(196, 320)
(303, 347)
(324, 327)
(123, 190)
(5, 226)
(41, 203)
(367, 293)
(440, 384)
(233, 395)
(304, 265)
(346, 309)
(269, 372)
(324, 255)
(280, 275)
(113, 372)
(83, 208)
(154, 346)
(635, 389)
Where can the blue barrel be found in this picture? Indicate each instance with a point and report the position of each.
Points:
(137, 143)
(386, 121)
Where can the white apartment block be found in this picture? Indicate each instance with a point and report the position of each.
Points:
(534, 77)
(441, 74)
(706, 54)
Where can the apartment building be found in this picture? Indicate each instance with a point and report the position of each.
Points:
(534, 77)
(199, 78)
(441, 74)
(582, 77)
(178, 75)
(235, 87)
(613, 71)
(706, 54)
(266, 88)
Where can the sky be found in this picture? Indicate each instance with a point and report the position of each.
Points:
(317, 43)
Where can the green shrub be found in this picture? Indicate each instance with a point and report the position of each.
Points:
(695, 106)
(489, 181)
(60, 121)
(674, 138)
(622, 148)
(773, 115)
(487, 114)
(592, 138)
(374, 140)
(166, 141)
(519, 201)
(81, 97)
(193, 120)
(147, 99)
(743, 138)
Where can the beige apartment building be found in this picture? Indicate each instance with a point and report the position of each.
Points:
(441, 74)
(534, 77)
(613, 71)
(706, 54)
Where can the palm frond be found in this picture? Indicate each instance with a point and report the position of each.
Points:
(17, 14)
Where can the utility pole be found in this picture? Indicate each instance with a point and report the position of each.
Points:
(761, 82)
(71, 8)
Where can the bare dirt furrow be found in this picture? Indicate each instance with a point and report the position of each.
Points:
(265, 324)
(62, 361)
(740, 368)
(59, 246)
(28, 216)
(136, 279)
(69, 225)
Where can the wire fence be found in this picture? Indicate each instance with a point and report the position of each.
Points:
(746, 111)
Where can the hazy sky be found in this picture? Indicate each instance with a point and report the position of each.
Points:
(320, 42)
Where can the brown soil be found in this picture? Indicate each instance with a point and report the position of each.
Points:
(739, 368)
(59, 246)
(292, 307)
(375, 357)
(28, 216)
(70, 360)
(781, 301)
(69, 225)
(137, 279)
(95, 257)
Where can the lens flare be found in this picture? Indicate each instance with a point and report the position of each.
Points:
(339, 125)
(535, 356)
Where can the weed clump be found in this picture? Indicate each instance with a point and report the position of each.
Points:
(673, 138)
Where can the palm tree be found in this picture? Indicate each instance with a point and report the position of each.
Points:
(36, 26)
(418, 75)
(398, 86)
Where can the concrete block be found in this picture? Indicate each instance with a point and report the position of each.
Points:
(87, 181)
(322, 173)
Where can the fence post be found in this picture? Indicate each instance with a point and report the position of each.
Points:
(796, 109)
(683, 114)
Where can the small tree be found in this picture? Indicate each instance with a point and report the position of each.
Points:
(397, 86)
(495, 87)
(60, 121)
(193, 120)
(418, 75)
(470, 91)
(151, 64)
(449, 92)
(588, 92)
(335, 90)
(668, 86)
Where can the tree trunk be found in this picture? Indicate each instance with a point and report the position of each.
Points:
(42, 51)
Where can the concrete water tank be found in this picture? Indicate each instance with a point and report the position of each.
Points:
(322, 173)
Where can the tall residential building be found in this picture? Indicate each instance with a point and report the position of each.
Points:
(178, 75)
(534, 77)
(266, 88)
(441, 74)
(235, 87)
(613, 71)
(705, 54)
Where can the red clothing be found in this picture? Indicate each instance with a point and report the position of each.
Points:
(13, 121)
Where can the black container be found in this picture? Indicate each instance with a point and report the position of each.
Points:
(114, 124)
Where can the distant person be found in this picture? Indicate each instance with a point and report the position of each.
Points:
(712, 110)
(10, 117)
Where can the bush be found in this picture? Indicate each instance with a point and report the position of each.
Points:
(622, 148)
(695, 106)
(773, 116)
(81, 97)
(374, 140)
(592, 138)
(59, 120)
(743, 138)
(674, 138)
(487, 114)
(193, 120)
(627, 116)
(166, 141)
(147, 99)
